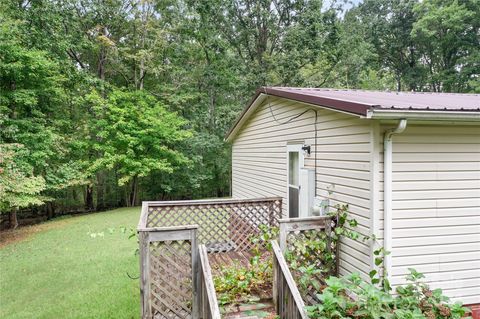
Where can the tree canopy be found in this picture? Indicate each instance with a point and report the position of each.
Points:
(107, 103)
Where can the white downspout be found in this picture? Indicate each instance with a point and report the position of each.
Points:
(387, 192)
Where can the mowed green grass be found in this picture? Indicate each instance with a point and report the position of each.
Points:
(63, 272)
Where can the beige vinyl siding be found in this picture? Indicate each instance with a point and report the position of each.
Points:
(344, 145)
(436, 207)
(259, 159)
(344, 164)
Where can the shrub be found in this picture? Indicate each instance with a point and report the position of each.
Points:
(351, 297)
(311, 256)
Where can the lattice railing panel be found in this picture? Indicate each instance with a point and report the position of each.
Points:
(307, 242)
(224, 225)
(171, 279)
(213, 220)
(296, 241)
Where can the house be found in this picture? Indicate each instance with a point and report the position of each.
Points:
(407, 164)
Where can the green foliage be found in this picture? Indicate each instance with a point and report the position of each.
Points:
(237, 283)
(312, 256)
(33, 94)
(351, 297)
(447, 32)
(263, 240)
(136, 135)
(19, 188)
(69, 70)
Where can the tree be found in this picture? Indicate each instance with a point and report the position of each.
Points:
(448, 34)
(19, 188)
(76, 75)
(136, 135)
(389, 24)
(33, 93)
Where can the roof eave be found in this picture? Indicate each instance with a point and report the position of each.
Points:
(343, 106)
(335, 104)
(432, 115)
(244, 115)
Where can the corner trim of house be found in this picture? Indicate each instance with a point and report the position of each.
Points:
(374, 190)
(387, 192)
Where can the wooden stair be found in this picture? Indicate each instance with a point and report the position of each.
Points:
(263, 309)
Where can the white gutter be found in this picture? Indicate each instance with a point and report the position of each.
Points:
(387, 193)
(431, 115)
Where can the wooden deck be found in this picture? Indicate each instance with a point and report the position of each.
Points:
(170, 234)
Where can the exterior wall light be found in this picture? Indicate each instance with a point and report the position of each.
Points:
(306, 150)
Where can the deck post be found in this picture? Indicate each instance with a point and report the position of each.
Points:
(282, 236)
(195, 275)
(144, 275)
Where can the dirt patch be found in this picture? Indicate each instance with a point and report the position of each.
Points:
(11, 236)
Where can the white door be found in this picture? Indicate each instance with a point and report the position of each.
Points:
(294, 163)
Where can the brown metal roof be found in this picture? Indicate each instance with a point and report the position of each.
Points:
(365, 103)
(360, 101)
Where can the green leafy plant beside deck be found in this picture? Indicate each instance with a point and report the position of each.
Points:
(351, 297)
(238, 283)
(312, 256)
(312, 259)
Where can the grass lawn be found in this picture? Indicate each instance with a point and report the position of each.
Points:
(61, 271)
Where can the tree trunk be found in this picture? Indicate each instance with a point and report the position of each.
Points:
(100, 191)
(212, 110)
(126, 196)
(50, 210)
(133, 192)
(89, 198)
(13, 218)
(102, 58)
(145, 11)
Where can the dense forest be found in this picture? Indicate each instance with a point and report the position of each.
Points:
(105, 103)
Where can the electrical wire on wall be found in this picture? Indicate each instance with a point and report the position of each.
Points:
(296, 116)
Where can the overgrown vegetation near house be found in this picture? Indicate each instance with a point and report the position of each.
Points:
(351, 297)
(311, 258)
(237, 283)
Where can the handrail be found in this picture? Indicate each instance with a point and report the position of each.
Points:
(224, 224)
(208, 299)
(210, 201)
(168, 228)
(304, 219)
(288, 302)
(142, 224)
(142, 221)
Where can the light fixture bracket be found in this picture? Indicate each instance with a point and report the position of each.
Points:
(307, 149)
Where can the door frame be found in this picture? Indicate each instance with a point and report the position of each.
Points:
(294, 146)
